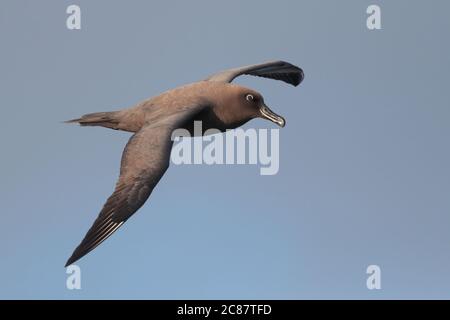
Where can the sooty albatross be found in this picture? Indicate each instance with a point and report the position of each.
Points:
(215, 101)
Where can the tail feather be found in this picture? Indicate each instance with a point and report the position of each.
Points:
(104, 119)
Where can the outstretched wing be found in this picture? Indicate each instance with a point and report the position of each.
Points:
(144, 161)
(278, 70)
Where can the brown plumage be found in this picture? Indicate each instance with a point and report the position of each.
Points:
(214, 101)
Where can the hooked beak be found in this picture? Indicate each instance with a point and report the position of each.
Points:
(272, 116)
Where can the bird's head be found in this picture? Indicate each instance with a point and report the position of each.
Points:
(250, 104)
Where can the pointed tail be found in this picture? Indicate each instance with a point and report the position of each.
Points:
(103, 119)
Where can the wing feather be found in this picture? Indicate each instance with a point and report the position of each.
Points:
(277, 70)
(144, 161)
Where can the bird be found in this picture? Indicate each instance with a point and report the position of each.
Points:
(215, 101)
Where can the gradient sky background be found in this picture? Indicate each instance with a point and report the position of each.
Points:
(365, 160)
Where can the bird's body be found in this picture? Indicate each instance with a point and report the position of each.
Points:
(215, 101)
(214, 96)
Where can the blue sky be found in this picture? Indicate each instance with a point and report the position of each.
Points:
(364, 160)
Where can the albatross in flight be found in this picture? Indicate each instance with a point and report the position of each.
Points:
(215, 101)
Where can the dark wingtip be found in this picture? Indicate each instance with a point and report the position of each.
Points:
(296, 75)
(68, 263)
(299, 79)
(71, 260)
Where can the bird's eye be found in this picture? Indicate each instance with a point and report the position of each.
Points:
(249, 97)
